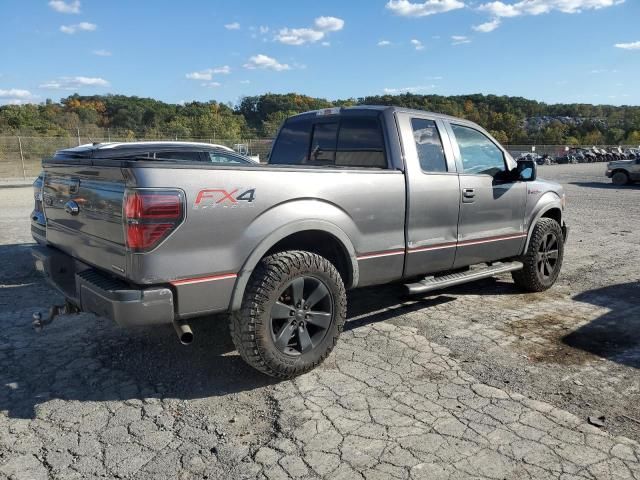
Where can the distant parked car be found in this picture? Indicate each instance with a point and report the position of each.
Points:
(207, 153)
(623, 172)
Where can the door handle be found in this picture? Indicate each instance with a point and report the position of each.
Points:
(468, 194)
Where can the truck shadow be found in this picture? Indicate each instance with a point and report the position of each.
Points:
(614, 335)
(88, 359)
(85, 358)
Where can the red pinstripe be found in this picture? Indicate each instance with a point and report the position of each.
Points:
(440, 246)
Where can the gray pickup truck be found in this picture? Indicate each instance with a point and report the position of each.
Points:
(350, 197)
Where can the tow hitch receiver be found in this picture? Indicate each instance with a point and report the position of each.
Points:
(55, 310)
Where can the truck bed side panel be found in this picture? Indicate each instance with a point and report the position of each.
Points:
(221, 229)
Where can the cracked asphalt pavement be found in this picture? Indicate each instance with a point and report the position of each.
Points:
(479, 381)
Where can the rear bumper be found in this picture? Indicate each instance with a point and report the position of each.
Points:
(93, 291)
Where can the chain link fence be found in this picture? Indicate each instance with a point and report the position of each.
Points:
(21, 156)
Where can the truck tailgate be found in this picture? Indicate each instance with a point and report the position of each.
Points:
(83, 206)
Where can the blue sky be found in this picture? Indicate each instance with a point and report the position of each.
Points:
(549, 50)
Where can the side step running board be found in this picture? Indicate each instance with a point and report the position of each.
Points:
(436, 283)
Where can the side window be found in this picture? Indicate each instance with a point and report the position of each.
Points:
(323, 144)
(479, 154)
(292, 144)
(428, 145)
(360, 143)
(221, 158)
(187, 156)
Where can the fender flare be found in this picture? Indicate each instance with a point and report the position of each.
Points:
(281, 233)
(555, 202)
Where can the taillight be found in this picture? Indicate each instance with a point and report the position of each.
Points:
(150, 216)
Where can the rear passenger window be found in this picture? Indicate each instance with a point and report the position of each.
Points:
(428, 145)
(292, 144)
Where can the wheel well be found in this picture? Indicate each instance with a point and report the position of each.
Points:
(321, 243)
(619, 170)
(553, 213)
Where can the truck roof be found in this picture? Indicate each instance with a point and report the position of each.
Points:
(116, 149)
(380, 108)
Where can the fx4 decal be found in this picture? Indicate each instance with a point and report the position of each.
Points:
(220, 197)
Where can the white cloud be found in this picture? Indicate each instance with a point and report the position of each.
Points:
(224, 70)
(232, 26)
(78, 27)
(329, 24)
(384, 43)
(405, 8)
(73, 83)
(417, 44)
(65, 7)
(245, 82)
(300, 36)
(538, 7)
(628, 46)
(487, 27)
(102, 53)
(263, 30)
(419, 88)
(15, 93)
(211, 84)
(326, 44)
(265, 62)
(208, 73)
(459, 39)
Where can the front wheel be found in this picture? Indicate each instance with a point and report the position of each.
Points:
(620, 178)
(543, 258)
(292, 314)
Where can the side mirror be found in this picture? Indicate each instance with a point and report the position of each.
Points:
(527, 170)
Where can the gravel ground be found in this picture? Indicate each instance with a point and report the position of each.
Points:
(478, 381)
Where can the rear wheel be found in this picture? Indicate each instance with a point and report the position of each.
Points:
(543, 259)
(292, 314)
(620, 178)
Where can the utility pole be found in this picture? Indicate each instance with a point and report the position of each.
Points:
(78, 130)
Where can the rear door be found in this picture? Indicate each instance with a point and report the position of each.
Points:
(491, 223)
(432, 192)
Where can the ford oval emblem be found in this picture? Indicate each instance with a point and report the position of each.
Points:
(72, 208)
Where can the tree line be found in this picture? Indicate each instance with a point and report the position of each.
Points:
(512, 120)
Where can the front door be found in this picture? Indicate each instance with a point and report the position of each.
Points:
(432, 194)
(492, 206)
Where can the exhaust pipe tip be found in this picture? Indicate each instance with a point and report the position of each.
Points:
(184, 332)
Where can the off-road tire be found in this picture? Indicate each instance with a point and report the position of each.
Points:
(251, 325)
(530, 278)
(620, 178)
